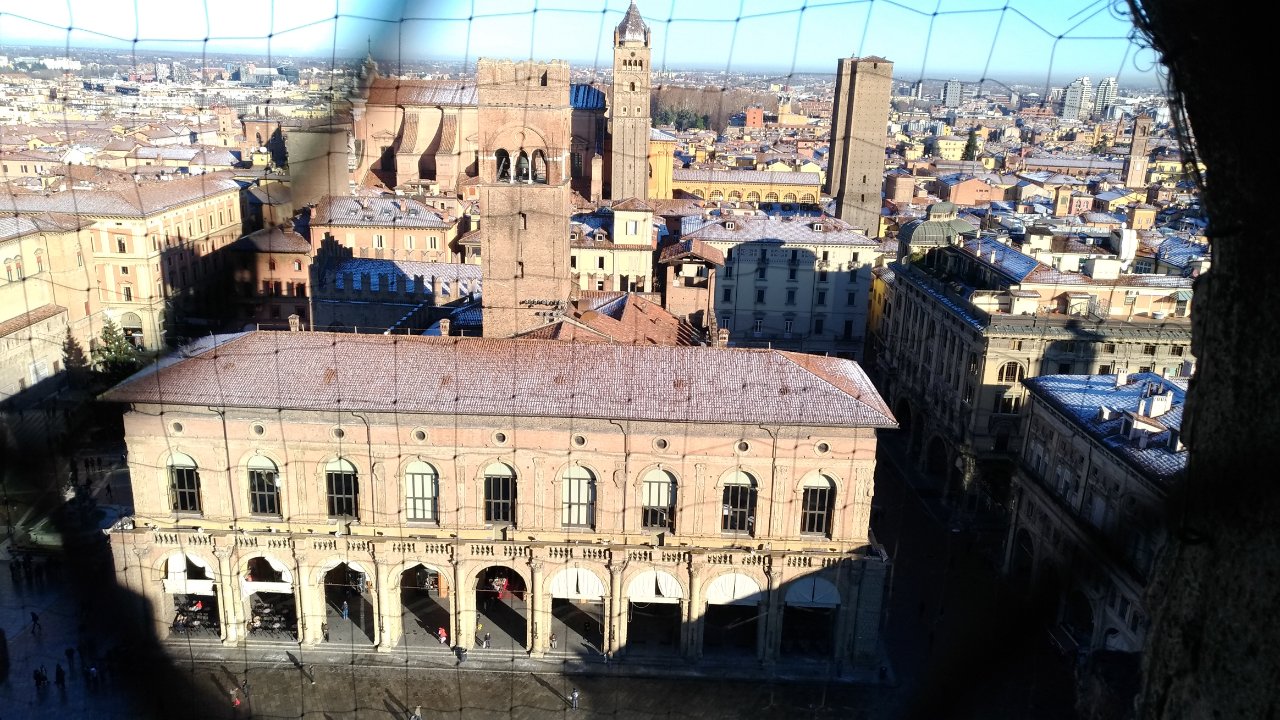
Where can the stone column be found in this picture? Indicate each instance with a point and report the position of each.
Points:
(230, 604)
(464, 604)
(311, 608)
(390, 617)
(696, 619)
(772, 617)
(538, 624)
(615, 613)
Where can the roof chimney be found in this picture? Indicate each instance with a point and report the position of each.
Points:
(1175, 441)
(444, 327)
(1122, 378)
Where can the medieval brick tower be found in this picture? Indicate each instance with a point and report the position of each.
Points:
(524, 127)
(629, 108)
(1135, 167)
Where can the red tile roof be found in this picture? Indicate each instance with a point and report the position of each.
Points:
(529, 378)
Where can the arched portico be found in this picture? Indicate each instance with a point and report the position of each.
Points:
(190, 586)
(654, 604)
(501, 609)
(350, 605)
(268, 592)
(578, 610)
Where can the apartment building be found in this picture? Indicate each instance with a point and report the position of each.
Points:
(799, 283)
(1088, 496)
(390, 228)
(957, 331)
(151, 250)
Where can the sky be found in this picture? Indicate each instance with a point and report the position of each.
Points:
(1002, 40)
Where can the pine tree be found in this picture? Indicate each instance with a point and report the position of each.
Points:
(74, 360)
(971, 147)
(115, 357)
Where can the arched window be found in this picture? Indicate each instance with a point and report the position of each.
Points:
(1011, 372)
(658, 495)
(522, 167)
(264, 486)
(735, 195)
(716, 195)
(503, 160)
(753, 196)
(539, 167)
(578, 498)
(789, 197)
(738, 514)
(343, 488)
(499, 494)
(816, 503)
(771, 197)
(808, 198)
(421, 489)
(184, 484)
(17, 265)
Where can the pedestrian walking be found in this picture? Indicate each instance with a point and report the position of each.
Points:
(486, 641)
(244, 688)
(443, 635)
(311, 670)
(346, 610)
(573, 699)
(59, 675)
(417, 713)
(553, 641)
(35, 624)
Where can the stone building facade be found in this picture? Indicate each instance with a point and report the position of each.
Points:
(736, 523)
(1093, 477)
(960, 329)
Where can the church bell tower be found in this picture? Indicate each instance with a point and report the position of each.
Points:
(629, 108)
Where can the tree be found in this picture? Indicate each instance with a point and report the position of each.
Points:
(74, 359)
(115, 357)
(971, 147)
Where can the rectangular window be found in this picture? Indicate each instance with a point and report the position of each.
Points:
(726, 322)
(787, 325)
(822, 276)
(408, 242)
(342, 489)
(1176, 351)
(726, 294)
(758, 326)
(819, 324)
(759, 296)
(573, 261)
(184, 489)
(791, 273)
(1064, 368)
(851, 299)
(1008, 404)
(124, 270)
(600, 263)
(433, 242)
(822, 297)
(420, 496)
(791, 297)
(815, 511)
(738, 513)
(499, 499)
(578, 499)
(1149, 350)
(633, 227)
(127, 292)
(1109, 348)
(760, 272)
(378, 242)
(658, 506)
(1104, 369)
(121, 247)
(264, 495)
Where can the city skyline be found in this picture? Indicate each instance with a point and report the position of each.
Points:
(1045, 44)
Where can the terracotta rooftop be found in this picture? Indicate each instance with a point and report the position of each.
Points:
(124, 200)
(528, 378)
(618, 317)
(27, 319)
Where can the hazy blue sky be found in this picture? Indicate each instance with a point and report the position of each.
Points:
(1013, 40)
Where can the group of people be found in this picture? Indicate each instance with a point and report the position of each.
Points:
(42, 676)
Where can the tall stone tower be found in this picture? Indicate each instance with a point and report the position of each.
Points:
(629, 108)
(859, 123)
(1135, 168)
(525, 129)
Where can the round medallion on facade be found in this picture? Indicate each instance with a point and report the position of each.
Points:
(339, 433)
(257, 429)
(822, 448)
(420, 435)
(499, 438)
(660, 444)
(579, 441)
(742, 446)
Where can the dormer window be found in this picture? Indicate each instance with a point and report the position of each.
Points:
(730, 225)
(817, 227)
